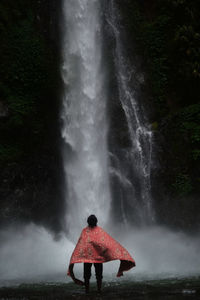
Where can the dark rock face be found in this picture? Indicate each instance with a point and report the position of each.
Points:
(31, 177)
(32, 193)
(175, 184)
(3, 110)
(31, 170)
(174, 179)
(118, 138)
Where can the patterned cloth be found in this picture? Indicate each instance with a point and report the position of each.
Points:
(97, 246)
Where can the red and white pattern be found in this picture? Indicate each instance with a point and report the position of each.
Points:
(97, 246)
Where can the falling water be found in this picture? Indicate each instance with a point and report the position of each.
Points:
(139, 156)
(29, 253)
(84, 130)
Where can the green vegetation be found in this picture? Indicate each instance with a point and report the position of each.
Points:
(182, 185)
(27, 71)
(167, 35)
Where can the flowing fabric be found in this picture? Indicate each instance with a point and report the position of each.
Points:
(97, 246)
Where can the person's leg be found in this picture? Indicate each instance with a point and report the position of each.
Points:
(99, 275)
(87, 275)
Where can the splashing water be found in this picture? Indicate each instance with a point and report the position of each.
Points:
(29, 253)
(84, 128)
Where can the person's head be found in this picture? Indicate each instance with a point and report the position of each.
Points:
(92, 221)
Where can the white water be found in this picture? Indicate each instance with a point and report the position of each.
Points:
(30, 254)
(84, 119)
(141, 136)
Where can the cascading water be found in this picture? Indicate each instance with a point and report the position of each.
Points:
(84, 128)
(139, 155)
(29, 253)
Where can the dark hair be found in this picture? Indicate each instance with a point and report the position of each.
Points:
(92, 221)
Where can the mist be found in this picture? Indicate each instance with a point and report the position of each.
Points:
(31, 254)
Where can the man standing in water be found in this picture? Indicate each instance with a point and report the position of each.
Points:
(95, 246)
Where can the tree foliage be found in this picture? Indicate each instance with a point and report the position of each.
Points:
(167, 35)
(27, 70)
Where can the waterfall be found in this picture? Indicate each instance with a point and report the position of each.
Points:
(139, 156)
(28, 252)
(85, 125)
(84, 116)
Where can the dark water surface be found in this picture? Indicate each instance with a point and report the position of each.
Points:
(166, 289)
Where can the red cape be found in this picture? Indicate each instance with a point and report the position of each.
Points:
(97, 246)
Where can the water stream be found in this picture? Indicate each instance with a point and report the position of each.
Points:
(29, 253)
(85, 124)
(84, 115)
(139, 155)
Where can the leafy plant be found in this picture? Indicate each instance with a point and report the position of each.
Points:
(182, 185)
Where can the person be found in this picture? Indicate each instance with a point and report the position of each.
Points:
(95, 246)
